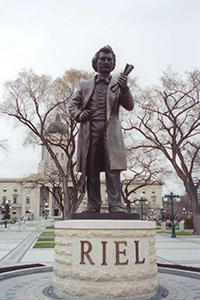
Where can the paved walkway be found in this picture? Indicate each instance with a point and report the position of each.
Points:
(183, 250)
(16, 248)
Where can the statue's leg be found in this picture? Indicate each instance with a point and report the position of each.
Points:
(93, 173)
(112, 183)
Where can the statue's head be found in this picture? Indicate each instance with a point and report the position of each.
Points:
(105, 49)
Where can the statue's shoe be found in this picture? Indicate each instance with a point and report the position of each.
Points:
(116, 209)
(90, 210)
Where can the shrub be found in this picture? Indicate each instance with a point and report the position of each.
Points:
(189, 223)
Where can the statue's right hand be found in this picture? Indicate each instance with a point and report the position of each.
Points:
(84, 115)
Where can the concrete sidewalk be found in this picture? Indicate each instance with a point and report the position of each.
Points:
(16, 249)
(182, 250)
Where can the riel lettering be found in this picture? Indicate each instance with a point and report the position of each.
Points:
(87, 253)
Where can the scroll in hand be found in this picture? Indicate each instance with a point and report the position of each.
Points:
(127, 71)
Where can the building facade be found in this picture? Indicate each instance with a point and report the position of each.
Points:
(27, 199)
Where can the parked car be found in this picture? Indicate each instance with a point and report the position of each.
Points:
(168, 223)
(158, 222)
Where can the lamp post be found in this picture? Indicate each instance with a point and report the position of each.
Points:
(142, 201)
(128, 203)
(184, 212)
(162, 211)
(152, 213)
(46, 211)
(172, 197)
(7, 207)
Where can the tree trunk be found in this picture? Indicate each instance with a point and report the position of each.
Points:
(196, 222)
(66, 211)
(192, 193)
(196, 217)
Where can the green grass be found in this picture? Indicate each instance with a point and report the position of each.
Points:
(182, 233)
(50, 227)
(45, 240)
(47, 233)
(44, 245)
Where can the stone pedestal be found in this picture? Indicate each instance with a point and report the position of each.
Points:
(105, 258)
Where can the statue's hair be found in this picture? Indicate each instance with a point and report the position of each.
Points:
(106, 49)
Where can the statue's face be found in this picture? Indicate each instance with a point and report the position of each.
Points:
(105, 63)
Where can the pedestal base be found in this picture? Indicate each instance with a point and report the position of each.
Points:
(105, 258)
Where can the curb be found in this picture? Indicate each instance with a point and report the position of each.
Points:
(174, 271)
(27, 271)
(43, 269)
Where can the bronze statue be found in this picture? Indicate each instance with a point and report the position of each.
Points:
(100, 142)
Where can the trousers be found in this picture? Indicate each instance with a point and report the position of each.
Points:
(97, 159)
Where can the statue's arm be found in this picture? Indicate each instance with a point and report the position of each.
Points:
(75, 105)
(75, 108)
(126, 100)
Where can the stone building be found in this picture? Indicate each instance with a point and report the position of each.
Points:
(35, 202)
(32, 202)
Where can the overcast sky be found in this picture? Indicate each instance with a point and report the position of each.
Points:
(51, 36)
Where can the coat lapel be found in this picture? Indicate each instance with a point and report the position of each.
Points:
(89, 88)
(111, 97)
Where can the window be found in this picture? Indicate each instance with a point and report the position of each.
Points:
(15, 189)
(154, 201)
(62, 156)
(14, 199)
(27, 199)
(4, 189)
(153, 191)
(4, 199)
(143, 191)
(56, 212)
(56, 200)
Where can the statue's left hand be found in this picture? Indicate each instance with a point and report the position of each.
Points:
(122, 81)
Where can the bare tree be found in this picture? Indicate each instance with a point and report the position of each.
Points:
(167, 120)
(34, 101)
(143, 169)
(50, 180)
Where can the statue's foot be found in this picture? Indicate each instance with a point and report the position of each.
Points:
(91, 210)
(116, 209)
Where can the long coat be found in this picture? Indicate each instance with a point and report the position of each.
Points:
(113, 127)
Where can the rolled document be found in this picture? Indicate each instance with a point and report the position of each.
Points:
(127, 70)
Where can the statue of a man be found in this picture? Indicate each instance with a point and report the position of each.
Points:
(100, 142)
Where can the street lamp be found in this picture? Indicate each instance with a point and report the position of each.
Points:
(152, 213)
(142, 201)
(46, 210)
(128, 203)
(184, 212)
(7, 207)
(162, 211)
(172, 197)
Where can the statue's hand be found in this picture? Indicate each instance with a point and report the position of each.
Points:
(84, 116)
(122, 81)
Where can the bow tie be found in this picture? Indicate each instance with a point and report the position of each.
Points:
(104, 80)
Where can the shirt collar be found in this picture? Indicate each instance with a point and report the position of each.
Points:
(103, 79)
